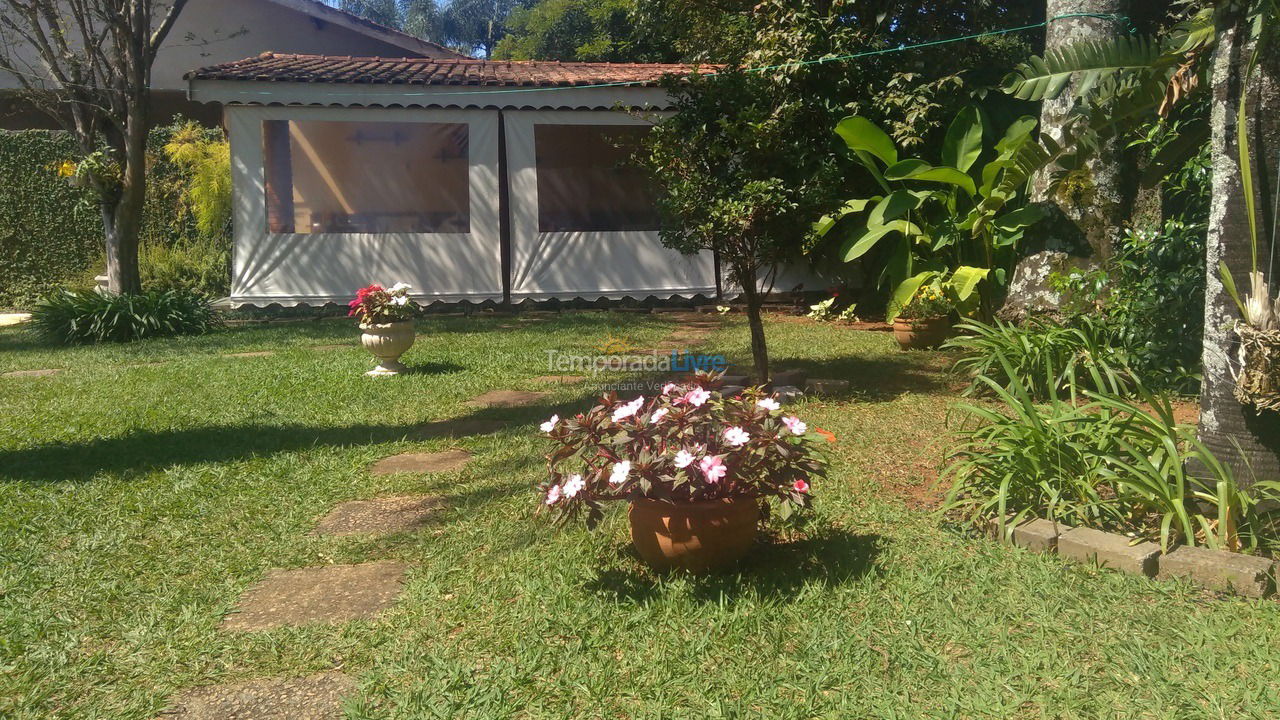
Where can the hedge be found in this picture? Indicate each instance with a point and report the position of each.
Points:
(51, 233)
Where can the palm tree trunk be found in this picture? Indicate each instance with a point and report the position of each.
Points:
(1248, 442)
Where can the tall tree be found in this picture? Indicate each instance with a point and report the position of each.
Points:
(478, 25)
(1247, 440)
(383, 12)
(91, 72)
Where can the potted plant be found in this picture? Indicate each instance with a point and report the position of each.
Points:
(696, 467)
(925, 321)
(386, 323)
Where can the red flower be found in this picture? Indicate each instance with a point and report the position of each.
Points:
(801, 486)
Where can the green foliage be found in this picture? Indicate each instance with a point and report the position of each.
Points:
(206, 160)
(1041, 356)
(51, 230)
(582, 30)
(956, 223)
(92, 317)
(1096, 459)
(200, 265)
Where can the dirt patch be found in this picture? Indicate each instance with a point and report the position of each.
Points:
(421, 462)
(32, 373)
(380, 516)
(456, 429)
(559, 379)
(506, 399)
(318, 697)
(329, 594)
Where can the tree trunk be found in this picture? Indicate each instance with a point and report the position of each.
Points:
(1246, 441)
(122, 216)
(1086, 215)
(746, 277)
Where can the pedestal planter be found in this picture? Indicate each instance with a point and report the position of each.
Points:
(695, 537)
(387, 342)
(921, 334)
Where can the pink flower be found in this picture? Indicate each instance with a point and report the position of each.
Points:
(801, 486)
(684, 459)
(573, 486)
(620, 473)
(669, 387)
(696, 397)
(795, 425)
(550, 425)
(628, 410)
(736, 436)
(713, 468)
(553, 495)
(768, 404)
(658, 415)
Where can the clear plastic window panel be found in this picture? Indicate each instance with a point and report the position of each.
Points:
(366, 177)
(588, 179)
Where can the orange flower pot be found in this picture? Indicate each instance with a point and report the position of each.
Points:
(695, 536)
(921, 334)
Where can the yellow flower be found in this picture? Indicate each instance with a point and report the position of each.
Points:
(66, 169)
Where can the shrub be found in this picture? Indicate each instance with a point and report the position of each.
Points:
(1043, 356)
(1095, 459)
(91, 317)
(200, 265)
(689, 443)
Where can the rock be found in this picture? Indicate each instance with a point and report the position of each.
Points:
(331, 593)
(741, 380)
(506, 399)
(1220, 570)
(794, 378)
(819, 386)
(730, 390)
(1039, 535)
(380, 516)
(1108, 550)
(318, 697)
(787, 394)
(421, 462)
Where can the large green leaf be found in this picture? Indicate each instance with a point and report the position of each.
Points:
(920, 170)
(1089, 63)
(965, 280)
(905, 291)
(1020, 218)
(856, 247)
(895, 205)
(963, 143)
(826, 222)
(861, 134)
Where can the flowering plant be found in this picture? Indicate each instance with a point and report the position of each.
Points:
(688, 444)
(375, 305)
(929, 302)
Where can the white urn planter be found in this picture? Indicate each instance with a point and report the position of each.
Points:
(387, 342)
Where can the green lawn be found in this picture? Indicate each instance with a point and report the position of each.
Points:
(137, 502)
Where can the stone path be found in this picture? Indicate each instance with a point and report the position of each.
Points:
(456, 428)
(380, 516)
(318, 697)
(255, 353)
(421, 462)
(559, 379)
(506, 399)
(31, 373)
(327, 594)
(7, 319)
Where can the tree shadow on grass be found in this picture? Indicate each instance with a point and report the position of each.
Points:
(775, 570)
(883, 378)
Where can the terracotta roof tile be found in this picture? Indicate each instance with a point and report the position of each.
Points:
(277, 67)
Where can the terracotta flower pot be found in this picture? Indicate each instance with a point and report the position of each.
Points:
(694, 536)
(387, 342)
(921, 333)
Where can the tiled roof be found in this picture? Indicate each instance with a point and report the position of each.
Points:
(277, 67)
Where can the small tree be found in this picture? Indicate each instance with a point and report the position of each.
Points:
(87, 63)
(737, 179)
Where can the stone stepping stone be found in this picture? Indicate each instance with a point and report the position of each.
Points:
(456, 428)
(506, 399)
(328, 594)
(421, 462)
(255, 353)
(380, 516)
(32, 373)
(318, 697)
(560, 379)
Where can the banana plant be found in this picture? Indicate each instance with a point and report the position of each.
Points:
(955, 223)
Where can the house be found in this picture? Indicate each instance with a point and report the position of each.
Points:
(209, 32)
(472, 180)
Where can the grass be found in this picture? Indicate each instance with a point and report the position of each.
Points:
(137, 501)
